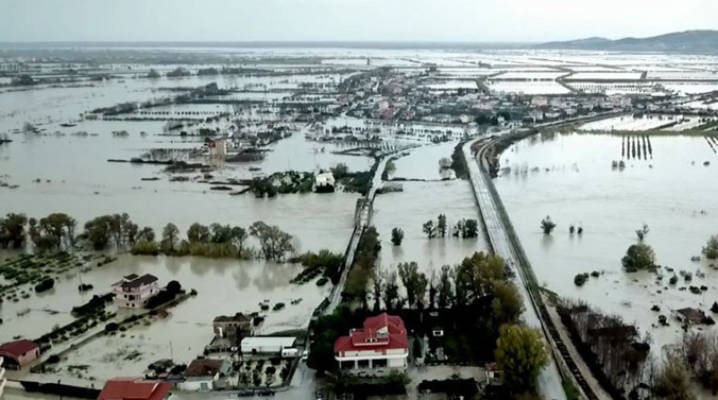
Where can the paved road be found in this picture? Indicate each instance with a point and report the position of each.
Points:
(364, 221)
(550, 386)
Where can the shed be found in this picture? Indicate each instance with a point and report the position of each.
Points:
(203, 373)
(267, 344)
(19, 353)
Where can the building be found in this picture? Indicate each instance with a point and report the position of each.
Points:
(19, 353)
(381, 344)
(135, 389)
(2, 377)
(324, 182)
(231, 326)
(202, 374)
(267, 344)
(133, 291)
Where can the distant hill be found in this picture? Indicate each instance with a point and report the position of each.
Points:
(698, 41)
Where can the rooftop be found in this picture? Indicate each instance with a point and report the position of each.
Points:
(381, 332)
(203, 367)
(134, 389)
(17, 348)
(133, 281)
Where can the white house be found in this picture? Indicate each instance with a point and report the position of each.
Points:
(324, 182)
(202, 374)
(381, 345)
(267, 344)
(133, 291)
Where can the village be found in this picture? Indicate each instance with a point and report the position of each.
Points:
(321, 227)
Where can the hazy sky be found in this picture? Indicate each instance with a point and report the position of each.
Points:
(355, 20)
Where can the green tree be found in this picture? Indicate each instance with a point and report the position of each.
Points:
(391, 291)
(98, 231)
(170, 238)
(429, 229)
(639, 257)
(12, 231)
(274, 243)
(711, 248)
(239, 238)
(397, 236)
(441, 225)
(146, 234)
(414, 282)
(445, 293)
(198, 233)
(520, 354)
(507, 305)
(672, 381)
(57, 227)
(471, 228)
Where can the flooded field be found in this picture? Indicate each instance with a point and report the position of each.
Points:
(224, 286)
(570, 178)
(418, 203)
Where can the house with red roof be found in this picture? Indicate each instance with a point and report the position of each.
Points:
(135, 389)
(379, 346)
(19, 353)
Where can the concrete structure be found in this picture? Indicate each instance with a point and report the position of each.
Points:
(230, 325)
(267, 344)
(133, 291)
(135, 389)
(2, 377)
(202, 374)
(19, 353)
(381, 345)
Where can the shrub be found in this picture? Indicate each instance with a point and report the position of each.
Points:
(580, 279)
(45, 285)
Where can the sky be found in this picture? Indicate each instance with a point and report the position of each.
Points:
(348, 20)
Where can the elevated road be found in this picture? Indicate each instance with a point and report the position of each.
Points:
(565, 363)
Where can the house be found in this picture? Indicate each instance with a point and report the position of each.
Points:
(2, 377)
(202, 374)
(133, 291)
(19, 353)
(231, 326)
(381, 344)
(135, 389)
(267, 344)
(691, 316)
(324, 182)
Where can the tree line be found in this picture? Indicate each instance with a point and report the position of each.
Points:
(57, 232)
(464, 228)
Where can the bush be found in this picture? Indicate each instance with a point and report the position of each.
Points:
(45, 285)
(580, 279)
(639, 257)
(111, 327)
(711, 248)
(145, 248)
(322, 281)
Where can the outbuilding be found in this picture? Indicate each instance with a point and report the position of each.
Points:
(267, 344)
(19, 353)
(202, 374)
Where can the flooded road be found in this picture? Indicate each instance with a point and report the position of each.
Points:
(570, 178)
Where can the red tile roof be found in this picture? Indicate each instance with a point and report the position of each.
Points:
(17, 348)
(370, 339)
(134, 389)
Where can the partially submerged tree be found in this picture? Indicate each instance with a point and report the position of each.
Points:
(414, 282)
(639, 257)
(12, 231)
(520, 354)
(274, 243)
(397, 236)
(711, 248)
(429, 229)
(441, 225)
(170, 238)
(641, 233)
(547, 225)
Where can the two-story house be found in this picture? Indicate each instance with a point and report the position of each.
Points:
(133, 291)
(380, 346)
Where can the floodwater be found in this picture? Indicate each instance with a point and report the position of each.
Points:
(570, 178)
(224, 287)
(410, 209)
(423, 162)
